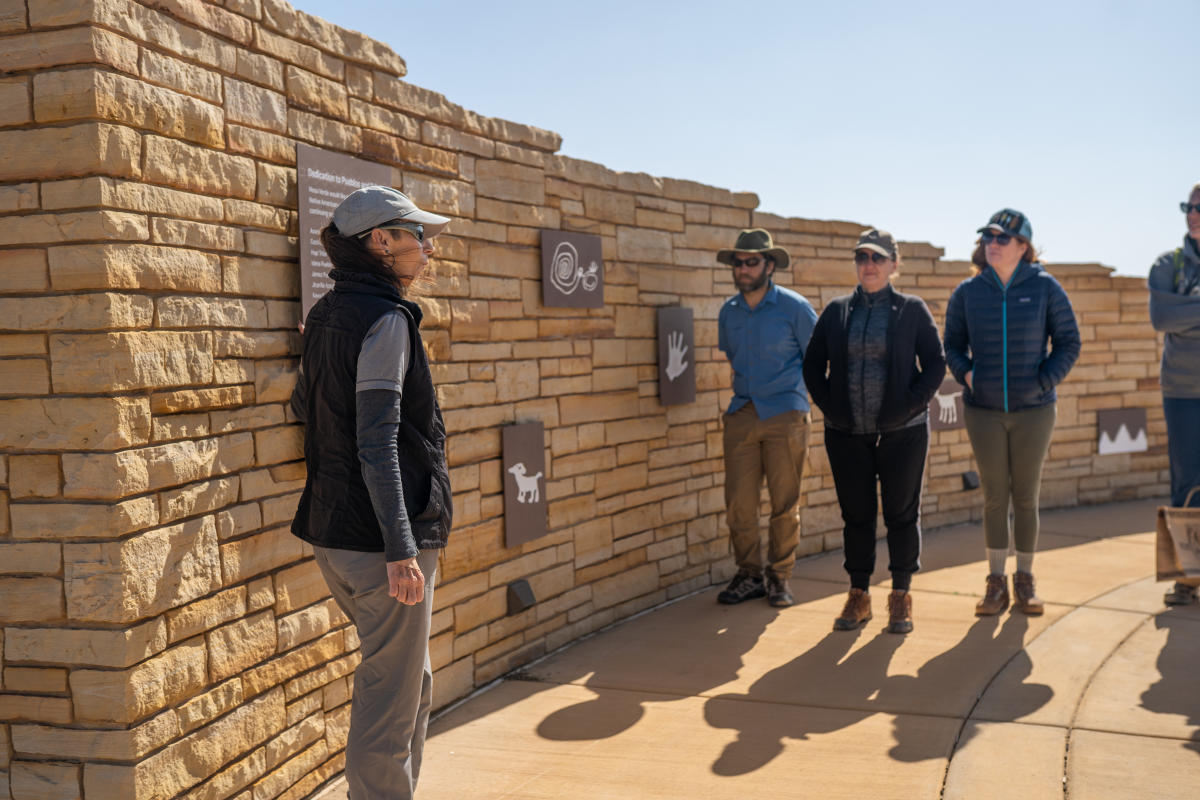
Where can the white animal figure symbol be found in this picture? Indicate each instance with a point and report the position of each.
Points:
(567, 274)
(947, 409)
(527, 485)
(676, 350)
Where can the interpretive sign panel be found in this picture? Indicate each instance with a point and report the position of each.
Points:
(524, 459)
(323, 180)
(676, 360)
(572, 270)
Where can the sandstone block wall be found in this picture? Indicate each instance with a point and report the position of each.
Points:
(163, 635)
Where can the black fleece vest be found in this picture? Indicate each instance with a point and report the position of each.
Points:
(335, 509)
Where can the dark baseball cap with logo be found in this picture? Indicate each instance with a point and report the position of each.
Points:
(877, 241)
(1014, 223)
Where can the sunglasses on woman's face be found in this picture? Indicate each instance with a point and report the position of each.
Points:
(1186, 207)
(862, 257)
(752, 261)
(999, 238)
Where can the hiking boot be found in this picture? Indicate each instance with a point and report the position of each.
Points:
(995, 597)
(744, 586)
(855, 613)
(1180, 595)
(1024, 597)
(779, 594)
(899, 612)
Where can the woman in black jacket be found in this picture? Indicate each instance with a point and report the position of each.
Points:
(861, 369)
(998, 324)
(376, 505)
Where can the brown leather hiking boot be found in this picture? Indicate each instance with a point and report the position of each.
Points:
(1024, 597)
(855, 613)
(995, 597)
(899, 612)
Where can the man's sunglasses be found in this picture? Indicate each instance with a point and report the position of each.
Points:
(987, 237)
(415, 228)
(1186, 207)
(862, 257)
(752, 261)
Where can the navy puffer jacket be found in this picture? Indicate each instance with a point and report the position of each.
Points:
(1000, 334)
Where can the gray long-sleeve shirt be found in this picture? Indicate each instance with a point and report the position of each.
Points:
(1175, 310)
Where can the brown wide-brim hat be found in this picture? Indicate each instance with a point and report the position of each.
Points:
(756, 240)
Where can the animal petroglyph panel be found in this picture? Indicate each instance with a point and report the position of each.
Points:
(524, 482)
(572, 270)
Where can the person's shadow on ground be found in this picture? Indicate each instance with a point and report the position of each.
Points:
(1177, 691)
(953, 668)
(824, 690)
(803, 691)
(684, 662)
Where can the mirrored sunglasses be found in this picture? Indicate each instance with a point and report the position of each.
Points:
(414, 228)
(862, 257)
(1186, 207)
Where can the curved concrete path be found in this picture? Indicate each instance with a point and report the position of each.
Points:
(1099, 698)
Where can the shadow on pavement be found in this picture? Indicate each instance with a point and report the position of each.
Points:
(1177, 691)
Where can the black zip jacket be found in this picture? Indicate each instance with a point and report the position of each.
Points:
(912, 337)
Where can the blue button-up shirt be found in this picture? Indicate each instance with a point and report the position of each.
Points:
(765, 346)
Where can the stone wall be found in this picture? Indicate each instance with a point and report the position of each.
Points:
(163, 633)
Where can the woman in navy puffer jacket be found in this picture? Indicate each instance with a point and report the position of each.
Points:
(998, 325)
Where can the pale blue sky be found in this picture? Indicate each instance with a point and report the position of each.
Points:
(922, 118)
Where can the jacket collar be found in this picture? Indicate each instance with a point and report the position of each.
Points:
(365, 283)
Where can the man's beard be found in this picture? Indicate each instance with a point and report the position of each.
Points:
(754, 285)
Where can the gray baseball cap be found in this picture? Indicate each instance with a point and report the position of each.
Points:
(373, 206)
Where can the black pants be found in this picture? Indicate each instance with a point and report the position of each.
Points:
(897, 459)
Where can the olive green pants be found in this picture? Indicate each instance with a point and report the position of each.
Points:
(1010, 448)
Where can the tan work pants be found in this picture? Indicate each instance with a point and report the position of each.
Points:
(775, 448)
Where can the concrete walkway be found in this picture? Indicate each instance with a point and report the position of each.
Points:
(1099, 698)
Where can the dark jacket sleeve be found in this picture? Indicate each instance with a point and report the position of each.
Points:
(1064, 339)
(955, 336)
(299, 401)
(931, 357)
(816, 361)
(377, 424)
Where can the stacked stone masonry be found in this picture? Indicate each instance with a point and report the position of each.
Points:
(163, 634)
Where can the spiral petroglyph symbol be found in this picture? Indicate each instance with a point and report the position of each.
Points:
(567, 274)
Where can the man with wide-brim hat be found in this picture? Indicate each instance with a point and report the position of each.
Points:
(764, 330)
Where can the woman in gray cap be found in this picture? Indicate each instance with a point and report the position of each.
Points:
(1175, 311)
(872, 366)
(376, 501)
(998, 326)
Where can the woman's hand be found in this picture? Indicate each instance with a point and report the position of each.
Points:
(967, 377)
(406, 582)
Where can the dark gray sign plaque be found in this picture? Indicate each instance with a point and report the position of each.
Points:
(676, 359)
(524, 482)
(572, 270)
(1121, 430)
(946, 408)
(323, 179)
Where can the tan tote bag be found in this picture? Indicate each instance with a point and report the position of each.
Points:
(1178, 544)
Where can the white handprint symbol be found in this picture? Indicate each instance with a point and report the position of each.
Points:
(676, 350)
